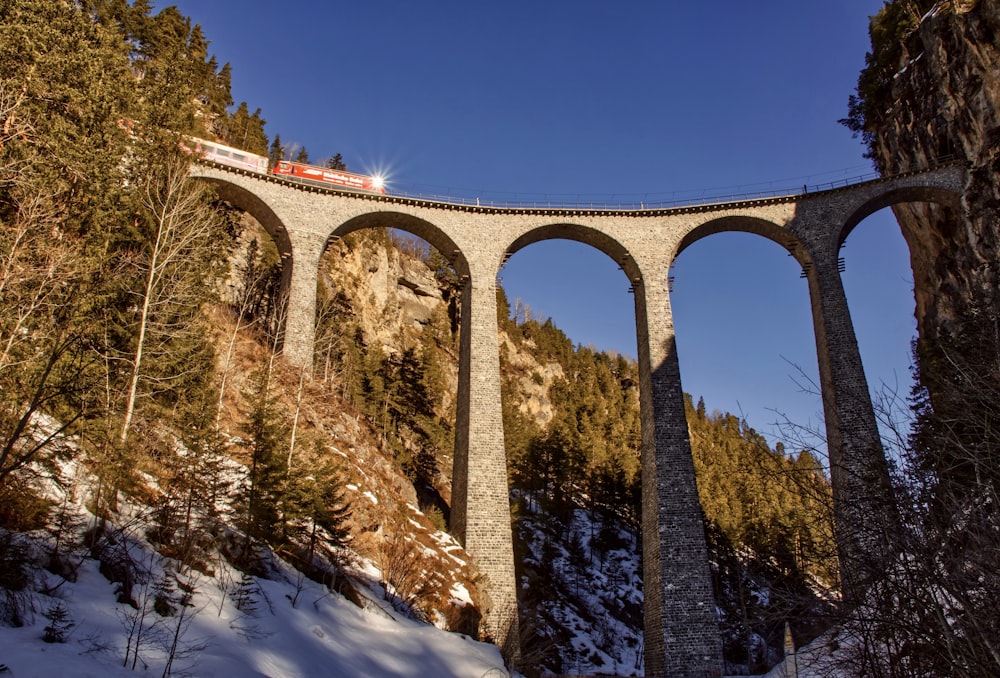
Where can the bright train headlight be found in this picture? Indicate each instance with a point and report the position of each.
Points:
(378, 181)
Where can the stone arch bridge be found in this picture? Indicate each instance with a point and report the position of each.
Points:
(681, 632)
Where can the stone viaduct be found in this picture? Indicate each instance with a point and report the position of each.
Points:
(681, 631)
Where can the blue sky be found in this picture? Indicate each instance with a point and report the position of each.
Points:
(603, 102)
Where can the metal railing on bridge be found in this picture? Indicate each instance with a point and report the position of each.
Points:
(635, 201)
(647, 201)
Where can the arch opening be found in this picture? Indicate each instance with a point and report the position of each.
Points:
(258, 284)
(418, 228)
(387, 341)
(878, 282)
(250, 203)
(945, 199)
(920, 206)
(732, 282)
(570, 392)
(747, 358)
(889, 279)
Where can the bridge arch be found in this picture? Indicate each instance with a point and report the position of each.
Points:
(421, 228)
(587, 235)
(252, 204)
(765, 228)
(946, 197)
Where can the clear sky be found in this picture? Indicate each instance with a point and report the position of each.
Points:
(602, 102)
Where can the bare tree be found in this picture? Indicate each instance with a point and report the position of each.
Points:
(183, 230)
(931, 608)
(408, 579)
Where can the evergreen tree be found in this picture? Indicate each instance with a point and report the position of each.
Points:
(318, 511)
(59, 624)
(276, 152)
(193, 482)
(336, 163)
(267, 438)
(245, 130)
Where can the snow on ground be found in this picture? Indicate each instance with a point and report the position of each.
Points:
(323, 635)
(598, 591)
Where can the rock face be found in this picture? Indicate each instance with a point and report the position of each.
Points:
(945, 101)
(390, 293)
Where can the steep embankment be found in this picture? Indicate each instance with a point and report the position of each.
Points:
(931, 91)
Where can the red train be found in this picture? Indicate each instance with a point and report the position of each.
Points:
(323, 175)
(296, 171)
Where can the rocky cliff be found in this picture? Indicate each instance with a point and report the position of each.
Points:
(935, 96)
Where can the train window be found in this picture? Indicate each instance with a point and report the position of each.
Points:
(241, 158)
(223, 153)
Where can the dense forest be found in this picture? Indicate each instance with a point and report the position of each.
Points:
(111, 262)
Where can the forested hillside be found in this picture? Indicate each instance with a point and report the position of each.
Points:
(144, 404)
(147, 421)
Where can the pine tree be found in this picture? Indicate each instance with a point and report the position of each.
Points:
(193, 482)
(318, 511)
(245, 130)
(276, 152)
(267, 439)
(59, 624)
(336, 163)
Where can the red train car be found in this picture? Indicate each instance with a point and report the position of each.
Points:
(328, 177)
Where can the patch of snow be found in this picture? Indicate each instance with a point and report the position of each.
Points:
(460, 594)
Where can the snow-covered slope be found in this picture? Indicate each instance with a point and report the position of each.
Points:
(322, 635)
